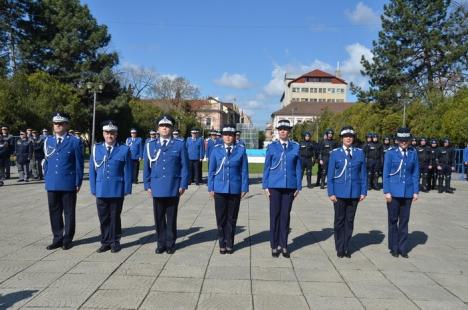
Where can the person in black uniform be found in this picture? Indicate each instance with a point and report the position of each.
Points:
(327, 146)
(318, 146)
(23, 153)
(414, 142)
(445, 161)
(11, 149)
(424, 153)
(38, 155)
(432, 168)
(373, 153)
(307, 154)
(4, 154)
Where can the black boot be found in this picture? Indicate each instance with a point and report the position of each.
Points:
(441, 184)
(309, 181)
(424, 183)
(376, 181)
(447, 185)
(369, 181)
(322, 182)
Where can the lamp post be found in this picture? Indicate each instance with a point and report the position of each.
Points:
(95, 88)
(292, 119)
(410, 96)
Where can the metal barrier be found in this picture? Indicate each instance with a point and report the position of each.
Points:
(460, 167)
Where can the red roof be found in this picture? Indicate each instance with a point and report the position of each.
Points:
(318, 74)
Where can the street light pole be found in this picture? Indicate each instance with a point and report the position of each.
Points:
(94, 118)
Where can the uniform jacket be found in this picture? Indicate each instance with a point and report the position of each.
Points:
(210, 144)
(23, 151)
(465, 154)
(110, 176)
(38, 148)
(282, 169)
(445, 156)
(165, 170)
(228, 175)
(136, 147)
(195, 148)
(63, 165)
(401, 175)
(4, 150)
(347, 177)
(325, 148)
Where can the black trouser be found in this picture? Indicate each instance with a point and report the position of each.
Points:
(7, 164)
(23, 170)
(281, 200)
(109, 210)
(445, 176)
(373, 170)
(324, 170)
(195, 169)
(62, 209)
(135, 170)
(227, 210)
(345, 211)
(319, 173)
(165, 218)
(424, 176)
(466, 172)
(432, 177)
(398, 218)
(2, 169)
(37, 168)
(307, 165)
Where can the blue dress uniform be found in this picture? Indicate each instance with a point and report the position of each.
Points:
(401, 180)
(347, 180)
(136, 154)
(165, 172)
(63, 174)
(282, 176)
(196, 152)
(24, 153)
(210, 144)
(465, 161)
(228, 177)
(110, 179)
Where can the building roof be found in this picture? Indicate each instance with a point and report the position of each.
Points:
(317, 74)
(312, 108)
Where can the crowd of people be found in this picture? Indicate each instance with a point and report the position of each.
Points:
(171, 164)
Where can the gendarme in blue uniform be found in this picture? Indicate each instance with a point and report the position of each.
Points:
(282, 169)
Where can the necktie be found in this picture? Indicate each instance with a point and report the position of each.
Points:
(284, 146)
(228, 151)
(404, 153)
(164, 145)
(349, 153)
(109, 148)
(59, 141)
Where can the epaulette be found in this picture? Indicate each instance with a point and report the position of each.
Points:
(336, 149)
(294, 142)
(238, 144)
(219, 145)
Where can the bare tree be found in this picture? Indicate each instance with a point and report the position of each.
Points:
(139, 79)
(178, 88)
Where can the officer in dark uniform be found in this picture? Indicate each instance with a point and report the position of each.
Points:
(326, 147)
(110, 180)
(373, 151)
(228, 182)
(4, 154)
(414, 142)
(44, 134)
(23, 153)
(63, 174)
(445, 161)
(165, 177)
(368, 140)
(11, 149)
(347, 186)
(432, 169)
(210, 143)
(424, 154)
(176, 135)
(196, 153)
(282, 181)
(401, 188)
(307, 153)
(136, 149)
(38, 155)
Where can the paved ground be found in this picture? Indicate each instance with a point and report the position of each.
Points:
(198, 277)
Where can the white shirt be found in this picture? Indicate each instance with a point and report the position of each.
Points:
(57, 137)
(111, 146)
(402, 151)
(226, 146)
(284, 142)
(350, 150)
(161, 140)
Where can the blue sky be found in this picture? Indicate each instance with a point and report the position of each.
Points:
(240, 50)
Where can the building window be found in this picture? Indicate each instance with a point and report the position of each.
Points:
(313, 90)
(303, 99)
(314, 100)
(208, 122)
(295, 89)
(304, 90)
(320, 90)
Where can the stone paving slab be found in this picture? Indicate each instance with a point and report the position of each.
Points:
(198, 277)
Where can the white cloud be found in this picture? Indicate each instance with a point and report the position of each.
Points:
(351, 67)
(235, 80)
(363, 15)
(170, 76)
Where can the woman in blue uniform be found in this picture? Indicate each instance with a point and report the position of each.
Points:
(401, 188)
(347, 186)
(228, 182)
(282, 181)
(110, 180)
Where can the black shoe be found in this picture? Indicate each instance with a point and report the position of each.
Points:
(449, 191)
(405, 255)
(340, 254)
(159, 250)
(309, 186)
(27, 180)
(322, 187)
(229, 251)
(1, 183)
(20, 181)
(347, 254)
(285, 254)
(103, 248)
(222, 251)
(171, 250)
(394, 254)
(67, 246)
(274, 253)
(54, 246)
(115, 247)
